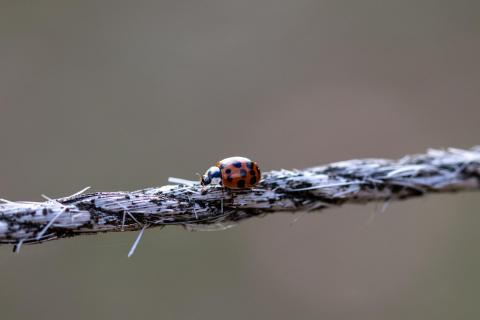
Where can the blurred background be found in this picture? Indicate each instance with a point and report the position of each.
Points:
(120, 95)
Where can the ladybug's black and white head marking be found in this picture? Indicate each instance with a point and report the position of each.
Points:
(212, 176)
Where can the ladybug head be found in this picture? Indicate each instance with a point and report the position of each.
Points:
(213, 175)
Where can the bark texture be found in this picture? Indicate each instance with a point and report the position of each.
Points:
(353, 181)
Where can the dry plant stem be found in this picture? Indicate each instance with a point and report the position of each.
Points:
(354, 181)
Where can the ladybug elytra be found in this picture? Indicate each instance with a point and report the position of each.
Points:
(233, 173)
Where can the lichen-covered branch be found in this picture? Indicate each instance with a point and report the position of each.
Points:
(354, 181)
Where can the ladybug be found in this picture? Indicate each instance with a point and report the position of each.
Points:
(233, 173)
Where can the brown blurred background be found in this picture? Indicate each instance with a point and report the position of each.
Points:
(121, 95)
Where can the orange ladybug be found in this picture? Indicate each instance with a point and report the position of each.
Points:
(233, 173)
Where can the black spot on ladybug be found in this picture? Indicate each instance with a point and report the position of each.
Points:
(237, 164)
(228, 171)
(229, 179)
(252, 172)
(243, 173)
(253, 180)
(241, 184)
(250, 165)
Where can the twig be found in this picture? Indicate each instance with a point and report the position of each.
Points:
(354, 181)
(137, 240)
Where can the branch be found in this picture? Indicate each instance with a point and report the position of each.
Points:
(354, 181)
